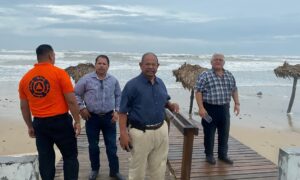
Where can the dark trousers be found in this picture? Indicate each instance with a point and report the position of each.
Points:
(108, 128)
(221, 122)
(56, 130)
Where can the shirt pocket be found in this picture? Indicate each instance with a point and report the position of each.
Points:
(110, 89)
(211, 86)
(91, 87)
(162, 96)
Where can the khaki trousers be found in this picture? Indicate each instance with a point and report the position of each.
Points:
(150, 150)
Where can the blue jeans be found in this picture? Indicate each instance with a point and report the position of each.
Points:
(93, 126)
(56, 130)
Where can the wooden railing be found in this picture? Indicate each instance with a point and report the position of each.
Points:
(189, 130)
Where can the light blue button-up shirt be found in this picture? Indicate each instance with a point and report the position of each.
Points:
(98, 96)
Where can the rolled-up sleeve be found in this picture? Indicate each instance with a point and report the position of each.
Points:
(117, 96)
(79, 92)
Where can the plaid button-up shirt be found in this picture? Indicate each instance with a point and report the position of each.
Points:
(215, 89)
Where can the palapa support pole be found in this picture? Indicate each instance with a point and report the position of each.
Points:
(191, 101)
(293, 95)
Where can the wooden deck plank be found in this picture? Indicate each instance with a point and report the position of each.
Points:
(84, 162)
(248, 164)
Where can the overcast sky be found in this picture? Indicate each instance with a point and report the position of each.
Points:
(259, 27)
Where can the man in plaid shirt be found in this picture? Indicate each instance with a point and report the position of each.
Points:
(214, 89)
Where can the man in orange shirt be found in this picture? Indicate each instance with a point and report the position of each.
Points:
(47, 94)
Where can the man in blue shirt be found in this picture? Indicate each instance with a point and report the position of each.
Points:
(214, 89)
(98, 95)
(143, 104)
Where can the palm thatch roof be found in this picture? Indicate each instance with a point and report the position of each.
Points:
(187, 75)
(288, 71)
(76, 72)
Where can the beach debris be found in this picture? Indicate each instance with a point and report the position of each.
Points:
(187, 74)
(289, 71)
(259, 93)
(76, 72)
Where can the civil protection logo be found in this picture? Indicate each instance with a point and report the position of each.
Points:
(39, 86)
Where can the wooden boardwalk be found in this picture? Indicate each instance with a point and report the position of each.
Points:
(247, 163)
(84, 162)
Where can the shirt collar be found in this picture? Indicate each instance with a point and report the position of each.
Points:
(94, 75)
(146, 80)
(43, 64)
(225, 71)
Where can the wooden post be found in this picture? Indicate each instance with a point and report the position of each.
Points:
(187, 155)
(189, 130)
(293, 95)
(191, 101)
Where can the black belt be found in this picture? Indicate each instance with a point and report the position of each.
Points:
(147, 127)
(54, 117)
(104, 114)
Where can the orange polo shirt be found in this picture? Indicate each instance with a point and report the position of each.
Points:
(44, 87)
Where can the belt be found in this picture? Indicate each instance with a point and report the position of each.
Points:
(147, 127)
(53, 117)
(104, 114)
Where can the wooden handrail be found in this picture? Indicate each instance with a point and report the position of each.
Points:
(189, 130)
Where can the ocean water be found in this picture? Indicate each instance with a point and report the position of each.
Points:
(252, 73)
(249, 70)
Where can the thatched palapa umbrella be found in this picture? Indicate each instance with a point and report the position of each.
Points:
(76, 72)
(187, 74)
(289, 71)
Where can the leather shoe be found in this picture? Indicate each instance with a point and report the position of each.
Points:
(93, 175)
(117, 176)
(226, 160)
(211, 160)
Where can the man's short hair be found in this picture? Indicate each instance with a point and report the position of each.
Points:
(43, 50)
(149, 53)
(102, 56)
(216, 55)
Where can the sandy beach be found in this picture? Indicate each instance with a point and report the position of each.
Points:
(262, 125)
